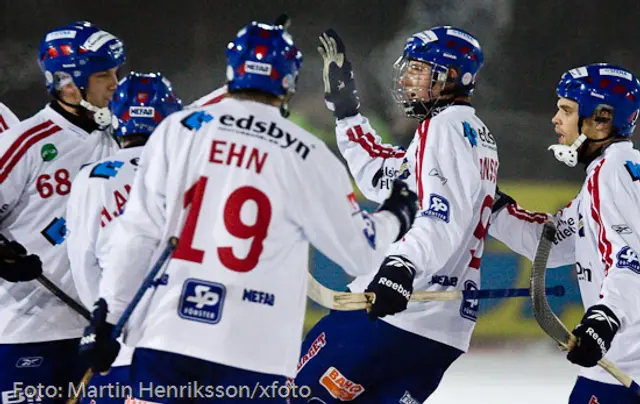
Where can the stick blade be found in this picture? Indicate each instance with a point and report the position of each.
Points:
(542, 312)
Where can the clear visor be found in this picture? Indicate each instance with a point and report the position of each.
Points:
(415, 81)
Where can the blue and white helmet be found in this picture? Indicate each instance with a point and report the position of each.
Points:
(263, 57)
(74, 52)
(604, 85)
(443, 48)
(141, 102)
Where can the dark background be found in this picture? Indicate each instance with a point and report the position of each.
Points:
(527, 44)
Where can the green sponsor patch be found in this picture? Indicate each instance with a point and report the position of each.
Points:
(48, 152)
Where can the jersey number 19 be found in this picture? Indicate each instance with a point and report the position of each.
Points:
(232, 222)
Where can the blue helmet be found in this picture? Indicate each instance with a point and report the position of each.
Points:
(141, 102)
(445, 47)
(263, 57)
(602, 84)
(75, 51)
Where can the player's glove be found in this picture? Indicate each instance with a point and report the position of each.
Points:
(15, 264)
(98, 349)
(594, 333)
(403, 203)
(393, 285)
(501, 200)
(340, 93)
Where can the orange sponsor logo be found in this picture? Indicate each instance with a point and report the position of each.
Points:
(339, 386)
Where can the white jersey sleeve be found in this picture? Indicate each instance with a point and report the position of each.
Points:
(374, 165)
(15, 173)
(7, 118)
(521, 229)
(333, 222)
(616, 196)
(83, 213)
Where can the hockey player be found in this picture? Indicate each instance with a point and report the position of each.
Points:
(39, 158)
(452, 162)
(246, 191)
(101, 189)
(598, 231)
(7, 118)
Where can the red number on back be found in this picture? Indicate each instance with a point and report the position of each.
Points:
(232, 222)
(480, 232)
(235, 226)
(194, 196)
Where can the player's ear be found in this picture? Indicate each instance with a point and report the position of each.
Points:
(603, 119)
(70, 93)
(453, 74)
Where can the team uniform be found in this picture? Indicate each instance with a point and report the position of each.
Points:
(40, 157)
(246, 191)
(98, 197)
(454, 174)
(208, 176)
(597, 231)
(7, 118)
(452, 164)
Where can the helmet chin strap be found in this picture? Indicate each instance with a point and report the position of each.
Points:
(101, 116)
(568, 154)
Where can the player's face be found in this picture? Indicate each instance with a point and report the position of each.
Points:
(416, 82)
(566, 121)
(102, 86)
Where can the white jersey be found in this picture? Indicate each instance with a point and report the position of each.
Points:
(452, 164)
(599, 232)
(213, 97)
(246, 191)
(7, 118)
(100, 192)
(39, 158)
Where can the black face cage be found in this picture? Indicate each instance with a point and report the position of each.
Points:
(406, 96)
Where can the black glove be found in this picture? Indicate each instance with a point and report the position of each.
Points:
(403, 203)
(594, 333)
(98, 349)
(501, 200)
(393, 285)
(15, 264)
(340, 92)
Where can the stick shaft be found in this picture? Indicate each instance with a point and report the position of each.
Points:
(81, 386)
(474, 294)
(148, 281)
(60, 294)
(357, 301)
